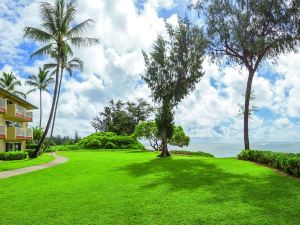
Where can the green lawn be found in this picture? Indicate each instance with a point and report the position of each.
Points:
(138, 188)
(16, 164)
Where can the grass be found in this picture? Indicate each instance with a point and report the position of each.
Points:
(16, 164)
(138, 188)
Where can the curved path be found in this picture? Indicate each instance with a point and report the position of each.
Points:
(10, 173)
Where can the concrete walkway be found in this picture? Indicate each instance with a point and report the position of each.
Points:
(10, 173)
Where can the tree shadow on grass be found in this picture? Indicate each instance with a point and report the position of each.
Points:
(224, 185)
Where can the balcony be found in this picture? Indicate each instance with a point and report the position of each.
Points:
(16, 133)
(18, 113)
(3, 105)
(2, 131)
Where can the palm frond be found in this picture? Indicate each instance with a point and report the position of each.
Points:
(68, 17)
(84, 41)
(37, 34)
(43, 51)
(80, 28)
(31, 91)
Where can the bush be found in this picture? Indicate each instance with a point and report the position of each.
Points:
(109, 140)
(65, 148)
(13, 155)
(110, 145)
(286, 162)
(30, 152)
(32, 146)
(184, 152)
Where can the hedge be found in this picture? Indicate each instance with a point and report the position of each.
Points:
(184, 152)
(286, 162)
(13, 155)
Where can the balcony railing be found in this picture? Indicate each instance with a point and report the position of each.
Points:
(3, 105)
(2, 131)
(29, 134)
(23, 113)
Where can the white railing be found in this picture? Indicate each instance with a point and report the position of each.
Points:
(20, 110)
(29, 133)
(3, 103)
(2, 130)
(20, 132)
(29, 114)
(23, 112)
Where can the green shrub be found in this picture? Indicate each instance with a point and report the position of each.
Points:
(286, 162)
(104, 140)
(184, 152)
(32, 146)
(110, 145)
(30, 152)
(65, 148)
(13, 155)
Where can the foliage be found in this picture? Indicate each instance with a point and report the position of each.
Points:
(13, 155)
(103, 140)
(109, 145)
(9, 82)
(173, 68)
(179, 138)
(186, 152)
(248, 33)
(286, 162)
(121, 118)
(37, 134)
(148, 130)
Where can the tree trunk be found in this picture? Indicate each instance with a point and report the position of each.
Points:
(38, 148)
(246, 109)
(164, 150)
(41, 108)
(55, 110)
(58, 94)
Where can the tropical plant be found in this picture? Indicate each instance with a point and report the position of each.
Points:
(173, 68)
(9, 82)
(58, 33)
(148, 130)
(40, 83)
(248, 33)
(37, 134)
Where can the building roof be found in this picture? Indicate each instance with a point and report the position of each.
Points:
(17, 99)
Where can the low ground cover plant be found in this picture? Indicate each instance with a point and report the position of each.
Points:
(13, 155)
(185, 152)
(286, 162)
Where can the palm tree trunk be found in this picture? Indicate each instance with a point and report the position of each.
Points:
(58, 94)
(38, 148)
(41, 108)
(246, 110)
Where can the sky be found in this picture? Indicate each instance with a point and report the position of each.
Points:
(112, 71)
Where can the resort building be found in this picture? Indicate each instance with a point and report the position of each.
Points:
(14, 117)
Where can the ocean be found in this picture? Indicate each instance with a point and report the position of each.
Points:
(227, 149)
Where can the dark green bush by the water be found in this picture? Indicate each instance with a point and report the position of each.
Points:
(184, 152)
(13, 155)
(103, 140)
(286, 162)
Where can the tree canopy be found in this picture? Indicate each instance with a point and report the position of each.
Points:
(122, 117)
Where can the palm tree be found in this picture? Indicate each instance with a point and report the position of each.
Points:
(69, 66)
(40, 83)
(57, 33)
(9, 82)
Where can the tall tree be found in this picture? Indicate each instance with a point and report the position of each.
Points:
(66, 65)
(40, 83)
(122, 117)
(9, 82)
(248, 32)
(58, 32)
(173, 68)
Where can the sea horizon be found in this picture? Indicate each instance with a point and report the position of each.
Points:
(225, 149)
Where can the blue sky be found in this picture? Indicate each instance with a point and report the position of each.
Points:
(112, 71)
